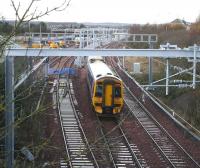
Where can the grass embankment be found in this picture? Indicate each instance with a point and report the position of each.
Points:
(184, 101)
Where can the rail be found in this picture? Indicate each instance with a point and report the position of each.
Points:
(160, 147)
(137, 160)
(171, 113)
(79, 123)
(164, 131)
(75, 144)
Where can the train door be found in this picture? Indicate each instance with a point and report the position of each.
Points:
(108, 94)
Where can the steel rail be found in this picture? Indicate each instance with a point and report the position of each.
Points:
(53, 61)
(70, 134)
(107, 145)
(163, 154)
(137, 160)
(61, 123)
(178, 120)
(164, 130)
(62, 128)
(79, 123)
(134, 157)
(130, 148)
(125, 141)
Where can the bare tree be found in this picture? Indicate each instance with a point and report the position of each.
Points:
(23, 17)
(31, 13)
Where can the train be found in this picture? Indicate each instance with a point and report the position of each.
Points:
(106, 89)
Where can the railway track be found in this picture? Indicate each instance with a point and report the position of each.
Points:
(55, 62)
(79, 153)
(110, 146)
(168, 147)
(121, 152)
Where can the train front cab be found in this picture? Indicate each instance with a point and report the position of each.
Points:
(107, 98)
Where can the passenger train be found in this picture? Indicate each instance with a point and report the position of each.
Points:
(106, 89)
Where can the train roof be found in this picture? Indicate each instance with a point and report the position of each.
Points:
(99, 69)
(95, 58)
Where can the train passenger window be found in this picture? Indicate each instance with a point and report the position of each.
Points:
(117, 92)
(99, 90)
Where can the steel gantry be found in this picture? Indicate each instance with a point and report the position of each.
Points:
(92, 37)
(45, 52)
(84, 35)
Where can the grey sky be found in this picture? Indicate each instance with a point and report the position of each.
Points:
(126, 11)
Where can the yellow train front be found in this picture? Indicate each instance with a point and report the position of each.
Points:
(105, 88)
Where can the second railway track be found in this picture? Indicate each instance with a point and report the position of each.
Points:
(78, 150)
(122, 153)
(79, 154)
(169, 148)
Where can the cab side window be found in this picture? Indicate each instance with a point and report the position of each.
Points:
(99, 91)
(117, 92)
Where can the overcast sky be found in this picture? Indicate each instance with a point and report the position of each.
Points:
(122, 11)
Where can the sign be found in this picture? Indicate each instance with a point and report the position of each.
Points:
(69, 71)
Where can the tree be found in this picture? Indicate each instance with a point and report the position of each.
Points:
(195, 31)
(30, 14)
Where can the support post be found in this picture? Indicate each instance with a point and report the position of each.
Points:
(40, 35)
(80, 46)
(167, 77)
(107, 35)
(46, 67)
(49, 37)
(87, 38)
(194, 68)
(80, 39)
(150, 71)
(150, 66)
(93, 35)
(83, 39)
(9, 112)
(123, 60)
(65, 37)
(111, 35)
